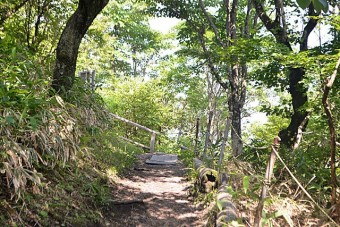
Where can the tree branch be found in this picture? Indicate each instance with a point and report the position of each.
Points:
(233, 21)
(10, 12)
(283, 18)
(278, 14)
(309, 27)
(211, 66)
(332, 130)
(213, 26)
(247, 20)
(227, 22)
(273, 26)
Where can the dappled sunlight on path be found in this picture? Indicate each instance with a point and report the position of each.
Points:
(154, 195)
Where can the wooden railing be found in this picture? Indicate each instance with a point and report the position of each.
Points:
(152, 132)
(89, 76)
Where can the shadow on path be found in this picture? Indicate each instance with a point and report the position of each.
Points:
(153, 195)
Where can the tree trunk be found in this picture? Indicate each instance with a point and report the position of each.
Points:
(235, 107)
(298, 93)
(207, 134)
(224, 141)
(297, 89)
(70, 39)
(237, 88)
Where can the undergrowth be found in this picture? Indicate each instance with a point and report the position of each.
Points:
(285, 205)
(57, 154)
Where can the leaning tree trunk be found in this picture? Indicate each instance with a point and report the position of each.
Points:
(297, 89)
(70, 39)
(298, 93)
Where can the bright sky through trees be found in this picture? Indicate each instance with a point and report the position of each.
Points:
(163, 24)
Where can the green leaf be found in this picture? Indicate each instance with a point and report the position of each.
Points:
(43, 214)
(10, 120)
(33, 122)
(320, 5)
(325, 5)
(303, 3)
(219, 204)
(246, 183)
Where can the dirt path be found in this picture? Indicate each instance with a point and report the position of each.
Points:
(154, 195)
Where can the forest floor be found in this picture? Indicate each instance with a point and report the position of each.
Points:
(154, 195)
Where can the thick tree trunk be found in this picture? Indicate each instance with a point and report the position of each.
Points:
(297, 89)
(237, 88)
(298, 93)
(235, 107)
(67, 50)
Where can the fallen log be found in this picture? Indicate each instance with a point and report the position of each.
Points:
(227, 210)
(207, 177)
(207, 180)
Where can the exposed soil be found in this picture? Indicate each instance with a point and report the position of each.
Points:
(154, 195)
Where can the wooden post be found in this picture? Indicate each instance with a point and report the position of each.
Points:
(89, 78)
(152, 142)
(269, 172)
(86, 76)
(93, 80)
